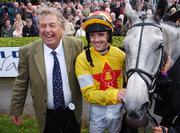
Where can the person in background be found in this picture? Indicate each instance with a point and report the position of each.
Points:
(68, 11)
(19, 20)
(178, 22)
(34, 18)
(47, 65)
(80, 32)
(69, 28)
(16, 9)
(79, 21)
(117, 24)
(117, 9)
(7, 29)
(23, 11)
(18, 30)
(108, 10)
(29, 29)
(99, 70)
(29, 10)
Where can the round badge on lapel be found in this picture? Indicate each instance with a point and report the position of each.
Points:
(71, 106)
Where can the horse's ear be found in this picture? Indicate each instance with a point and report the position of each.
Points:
(161, 9)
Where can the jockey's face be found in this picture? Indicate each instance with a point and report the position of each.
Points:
(99, 40)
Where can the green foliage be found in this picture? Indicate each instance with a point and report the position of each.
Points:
(29, 125)
(118, 41)
(3, 1)
(18, 42)
(84, 130)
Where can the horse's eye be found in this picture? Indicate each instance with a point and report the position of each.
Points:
(161, 45)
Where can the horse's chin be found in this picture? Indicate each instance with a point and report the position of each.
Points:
(136, 122)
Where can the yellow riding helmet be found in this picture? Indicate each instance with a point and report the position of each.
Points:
(98, 21)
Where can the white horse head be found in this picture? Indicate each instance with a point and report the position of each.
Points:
(144, 44)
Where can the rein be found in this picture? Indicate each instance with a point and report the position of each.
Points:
(142, 73)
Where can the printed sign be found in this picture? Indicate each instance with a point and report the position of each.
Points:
(9, 58)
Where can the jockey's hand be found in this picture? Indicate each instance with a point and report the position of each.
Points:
(159, 129)
(121, 94)
(16, 120)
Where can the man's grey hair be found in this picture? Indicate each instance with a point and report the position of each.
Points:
(53, 11)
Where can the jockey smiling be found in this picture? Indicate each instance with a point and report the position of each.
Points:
(99, 70)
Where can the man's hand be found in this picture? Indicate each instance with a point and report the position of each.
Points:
(159, 129)
(16, 120)
(121, 94)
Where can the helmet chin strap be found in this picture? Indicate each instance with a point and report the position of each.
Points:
(104, 51)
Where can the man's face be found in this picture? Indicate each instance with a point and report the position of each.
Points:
(50, 30)
(7, 23)
(29, 24)
(99, 40)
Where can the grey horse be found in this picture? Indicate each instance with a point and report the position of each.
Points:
(145, 43)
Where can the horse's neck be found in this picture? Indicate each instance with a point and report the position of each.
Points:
(172, 41)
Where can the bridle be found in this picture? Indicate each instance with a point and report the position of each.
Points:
(139, 71)
(142, 73)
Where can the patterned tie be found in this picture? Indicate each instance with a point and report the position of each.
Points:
(57, 85)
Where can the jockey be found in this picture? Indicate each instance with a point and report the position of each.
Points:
(99, 70)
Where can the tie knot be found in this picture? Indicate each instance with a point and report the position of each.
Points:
(53, 53)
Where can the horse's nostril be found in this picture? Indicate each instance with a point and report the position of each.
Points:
(134, 115)
(145, 106)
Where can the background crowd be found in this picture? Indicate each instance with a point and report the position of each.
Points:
(19, 19)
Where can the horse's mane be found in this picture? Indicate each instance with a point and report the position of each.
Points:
(172, 37)
(171, 24)
(171, 28)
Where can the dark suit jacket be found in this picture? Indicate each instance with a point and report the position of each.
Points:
(172, 103)
(32, 31)
(32, 72)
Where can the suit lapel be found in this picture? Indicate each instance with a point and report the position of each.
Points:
(67, 54)
(39, 59)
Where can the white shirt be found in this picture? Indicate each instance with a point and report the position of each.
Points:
(17, 34)
(49, 63)
(80, 32)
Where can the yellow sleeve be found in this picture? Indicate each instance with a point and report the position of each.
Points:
(101, 97)
(90, 92)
